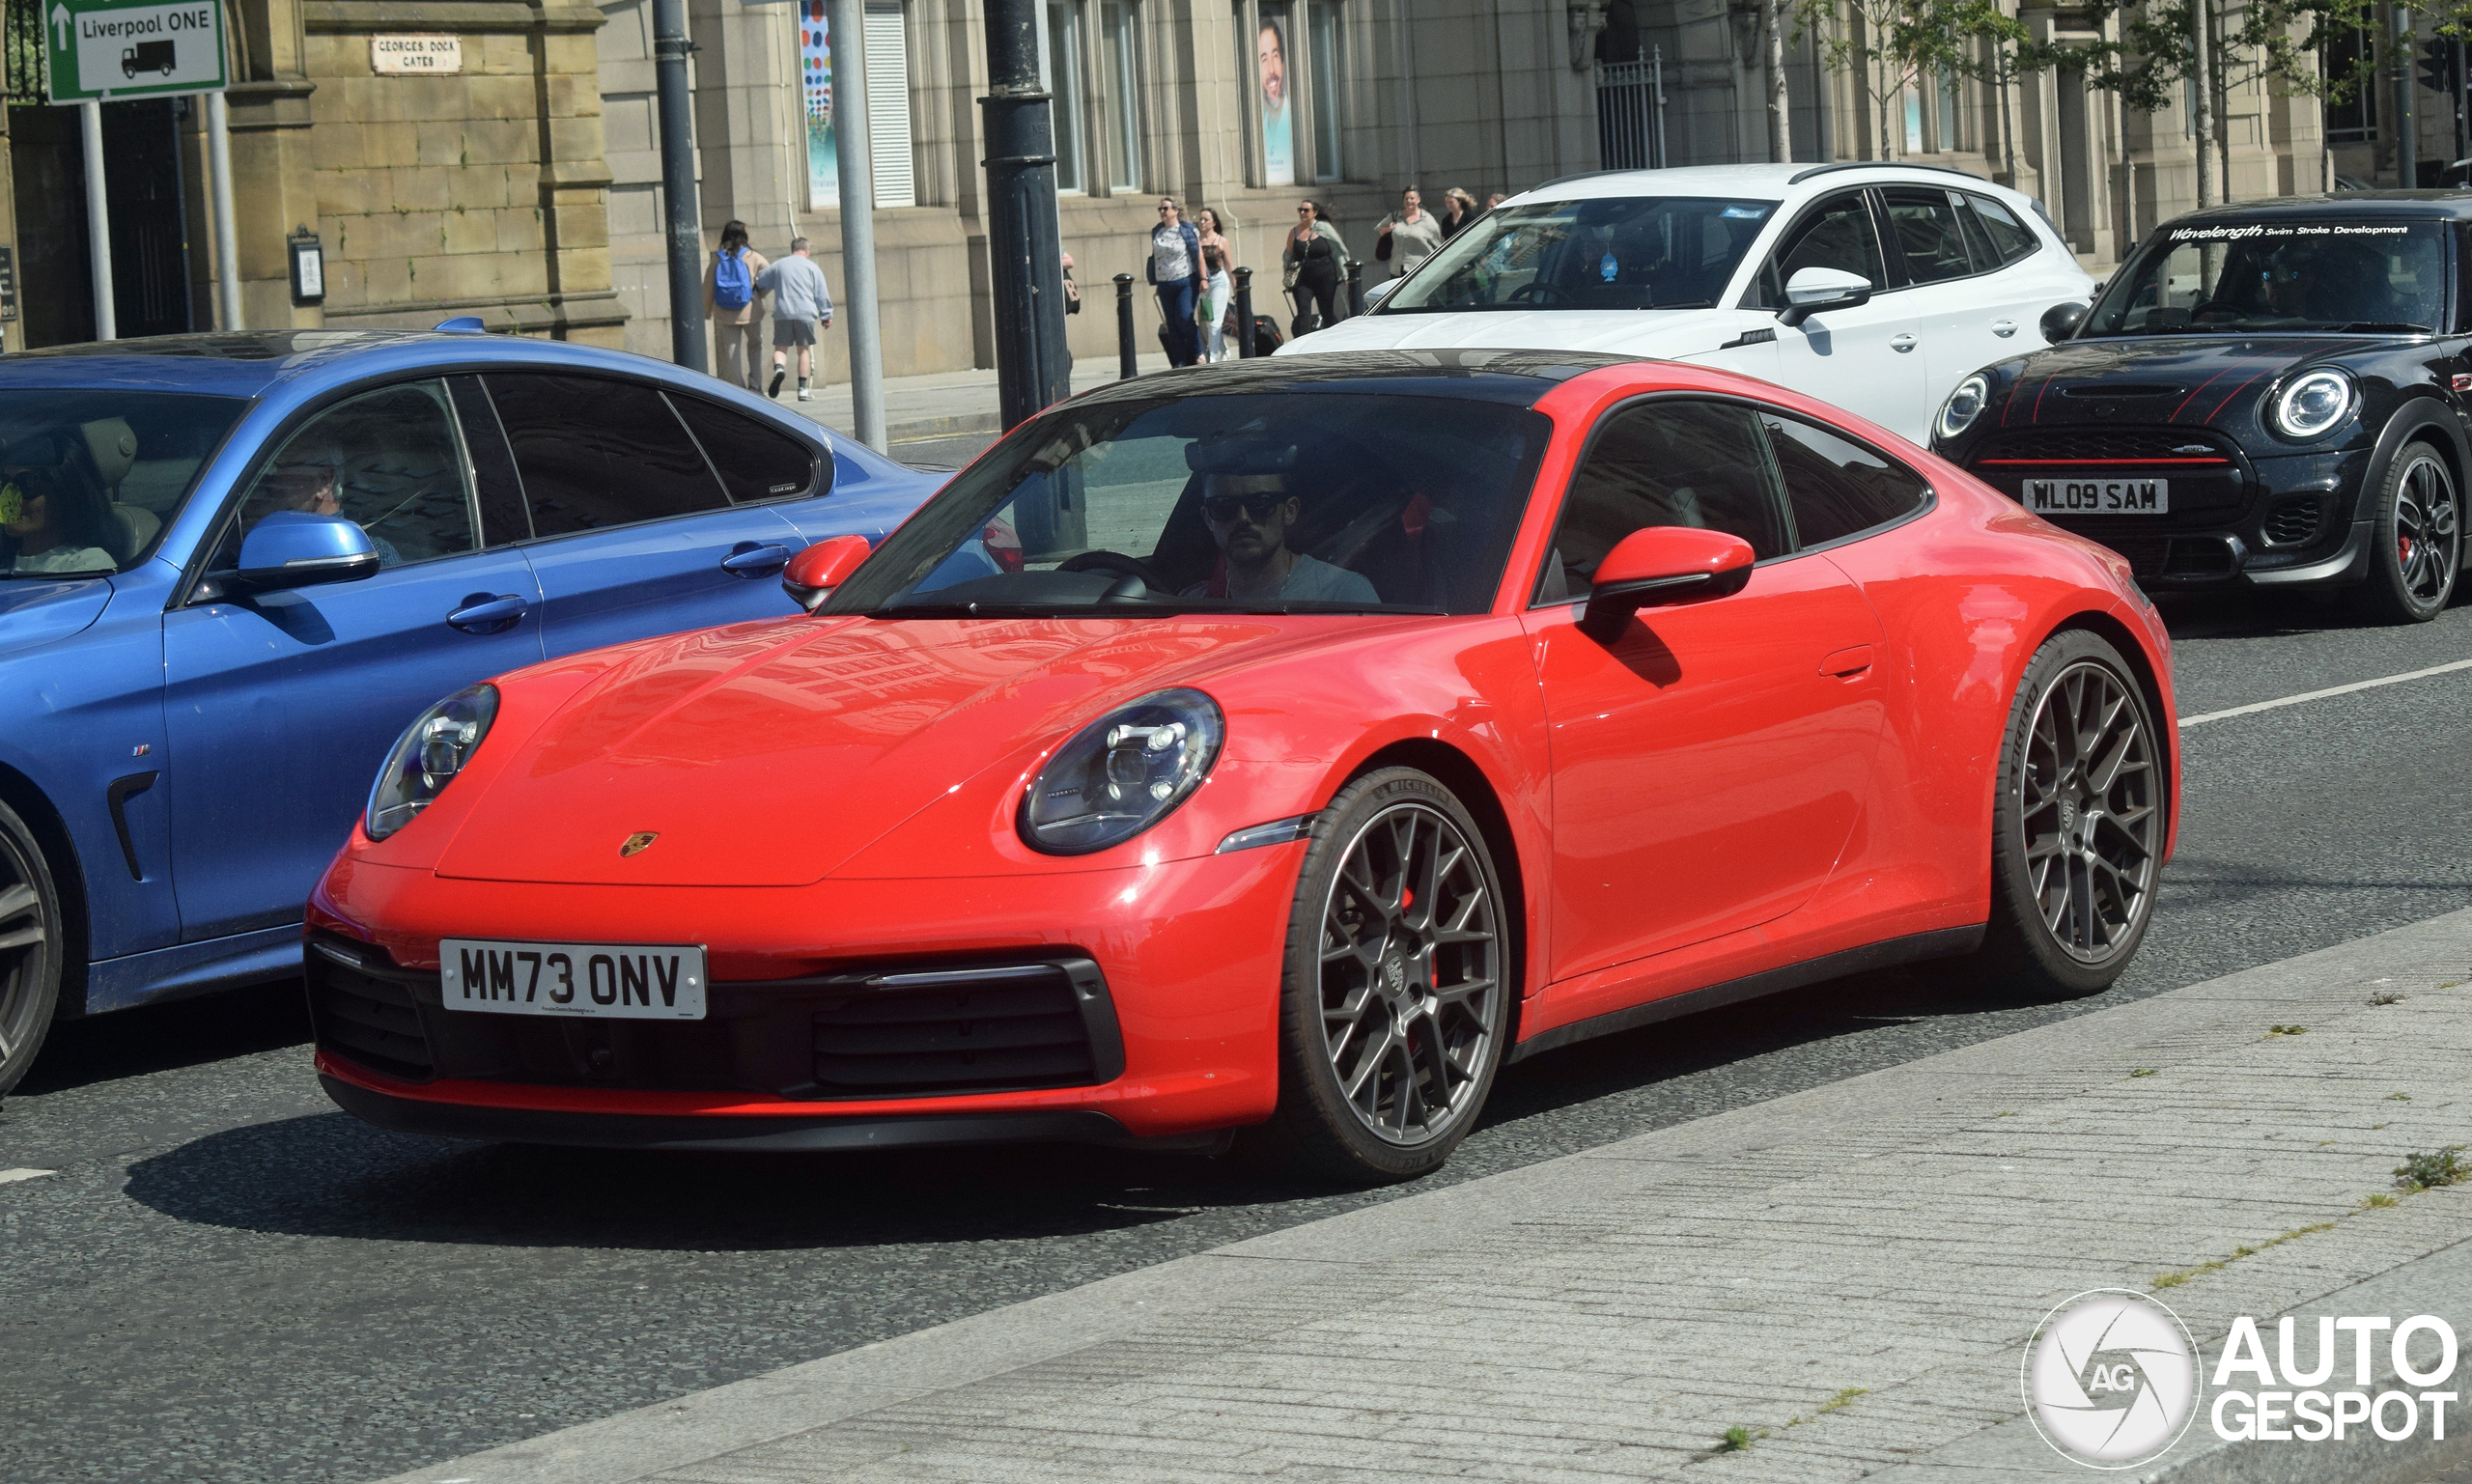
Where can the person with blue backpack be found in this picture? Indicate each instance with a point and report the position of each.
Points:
(736, 307)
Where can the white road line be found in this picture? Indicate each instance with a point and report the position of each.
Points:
(2319, 695)
(11, 1176)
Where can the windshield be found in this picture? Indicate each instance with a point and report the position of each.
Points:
(1277, 502)
(2318, 275)
(89, 479)
(1624, 252)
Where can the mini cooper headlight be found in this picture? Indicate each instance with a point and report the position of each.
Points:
(431, 752)
(2312, 403)
(1964, 406)
(1122, 773)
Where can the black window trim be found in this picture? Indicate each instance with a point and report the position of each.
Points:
(1929, 503)
(194, 586)
(818, 458)
(595, 372)
(1973, 198)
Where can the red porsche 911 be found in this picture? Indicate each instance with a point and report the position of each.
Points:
(1267, 751)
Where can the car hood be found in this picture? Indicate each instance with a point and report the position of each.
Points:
(35, 611)
(1670, 334)
(2187, 380)
(767, 755)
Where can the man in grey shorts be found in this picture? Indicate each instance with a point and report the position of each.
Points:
(800, 301)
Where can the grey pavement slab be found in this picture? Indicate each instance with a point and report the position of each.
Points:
(1851, 1271)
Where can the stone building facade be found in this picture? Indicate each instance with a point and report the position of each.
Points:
(526, 188)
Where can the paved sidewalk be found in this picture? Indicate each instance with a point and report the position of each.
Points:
(1852, 1270)
(946, 417)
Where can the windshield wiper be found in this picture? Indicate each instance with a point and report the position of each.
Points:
(2378, 327)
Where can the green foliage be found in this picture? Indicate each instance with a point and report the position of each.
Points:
(2428, 1171)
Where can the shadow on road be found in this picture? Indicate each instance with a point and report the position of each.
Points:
(331, 1175)
(158, 1038)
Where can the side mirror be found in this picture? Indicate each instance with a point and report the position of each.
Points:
(2061, 320)
(1658, 565)
(1378, 292)
(295, 549)
(1814, 290)
(813, 574)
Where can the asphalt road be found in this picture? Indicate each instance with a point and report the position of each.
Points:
(228, 1280)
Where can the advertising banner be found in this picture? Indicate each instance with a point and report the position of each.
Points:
(815, 69)
(1272, 95)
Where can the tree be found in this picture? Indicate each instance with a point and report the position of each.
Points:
(1886, 45)
(1998, 49)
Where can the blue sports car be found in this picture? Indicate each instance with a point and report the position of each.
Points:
(233, 568)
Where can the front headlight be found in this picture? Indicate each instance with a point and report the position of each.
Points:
(1964, 406)
(2312, 403)
(433, 750)
(1122, 773)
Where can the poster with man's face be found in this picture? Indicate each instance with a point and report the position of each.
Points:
(1270, 76)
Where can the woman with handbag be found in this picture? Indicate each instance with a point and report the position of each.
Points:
(1314, 254)
(1216, 255)
(1408, 235)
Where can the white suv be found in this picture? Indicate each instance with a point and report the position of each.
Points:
(1875, 287)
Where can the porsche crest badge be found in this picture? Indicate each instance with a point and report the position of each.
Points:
(638, 842)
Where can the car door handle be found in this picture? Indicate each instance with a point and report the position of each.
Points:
(748, 559)
(485, 613)
(1901, 343)
(1847, 662)
(2003, 328)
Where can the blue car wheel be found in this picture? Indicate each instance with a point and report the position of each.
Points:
(30, 947)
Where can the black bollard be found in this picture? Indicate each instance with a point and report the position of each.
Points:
(1245, 314)
(1126, 371)
(1356, 288)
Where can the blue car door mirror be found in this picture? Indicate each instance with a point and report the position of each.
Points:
(296, 548)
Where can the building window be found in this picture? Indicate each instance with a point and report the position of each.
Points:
(1913, 121)
(1950, 122)
(1064, 81)
(2355, 119)
(1124, 84)
(889, 105)
(1322, 18)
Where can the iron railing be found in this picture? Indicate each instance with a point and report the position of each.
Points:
(1630, 113)
(23, 37)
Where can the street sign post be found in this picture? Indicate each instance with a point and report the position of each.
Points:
(133, 48)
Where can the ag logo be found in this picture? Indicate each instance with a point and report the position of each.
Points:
(2111, 1379)
(637, 842)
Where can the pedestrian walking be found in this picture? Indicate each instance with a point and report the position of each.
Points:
(1174, 269)
(1217, 288)
(1314, 253)
(735, 305)
(1458, 209)
(1495, 199)
(1408, 235)
(802, 304)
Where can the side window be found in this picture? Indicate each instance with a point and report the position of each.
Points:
(2010, 236)
(504, 521)
(1838, 236)
(1699, 463)
(1924, 223)
(1836, 488)
(387, 459)
(597, 453)
(756, 462)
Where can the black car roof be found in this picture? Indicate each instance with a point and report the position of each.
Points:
(1518, 377)
(2389, 205)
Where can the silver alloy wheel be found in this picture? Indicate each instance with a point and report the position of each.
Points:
(2429, 533)
(2086, 802)
(25, 951)
(1411, 974)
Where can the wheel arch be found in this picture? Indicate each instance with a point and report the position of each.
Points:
(1460, 773)
(2417, 420)
(24, 794)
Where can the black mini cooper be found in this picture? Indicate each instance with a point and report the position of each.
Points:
(2272, 394)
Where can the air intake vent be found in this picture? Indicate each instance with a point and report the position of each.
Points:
(2101, 443)
(2292, 522)
(964, 1030)
(367, 1020)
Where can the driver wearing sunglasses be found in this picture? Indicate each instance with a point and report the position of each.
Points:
(1248, 505)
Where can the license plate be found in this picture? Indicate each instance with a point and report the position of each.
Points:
(2099, 496)
(595, 981)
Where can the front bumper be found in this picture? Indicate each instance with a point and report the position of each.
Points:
(1138, 1003)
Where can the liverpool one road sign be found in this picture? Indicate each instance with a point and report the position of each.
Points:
(110, 49)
